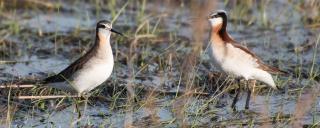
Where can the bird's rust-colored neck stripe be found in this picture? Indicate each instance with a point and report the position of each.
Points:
(225, 36)
(221, 33)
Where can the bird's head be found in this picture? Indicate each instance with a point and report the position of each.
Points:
(105, 27)
(218, 19)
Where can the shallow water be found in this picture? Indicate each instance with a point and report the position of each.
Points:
(49, 40)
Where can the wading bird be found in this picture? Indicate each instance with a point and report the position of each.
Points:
(234, 59)
(90, 70)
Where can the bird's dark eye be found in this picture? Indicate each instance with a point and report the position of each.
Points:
(214, 16)
(102, 26)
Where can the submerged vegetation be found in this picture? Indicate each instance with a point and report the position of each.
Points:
(162, 75)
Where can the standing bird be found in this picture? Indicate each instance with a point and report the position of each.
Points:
(90, 70)
(234, 59)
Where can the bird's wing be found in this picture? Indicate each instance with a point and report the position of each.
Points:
(271, 69)
(67, 73)
(258, 60)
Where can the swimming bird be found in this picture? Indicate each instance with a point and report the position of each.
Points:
(90, 70)
(236, 60)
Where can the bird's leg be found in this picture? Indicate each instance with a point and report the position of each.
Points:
(86, 97)
(235, 99)
(248, 96)
(77, 108)
(79, 96)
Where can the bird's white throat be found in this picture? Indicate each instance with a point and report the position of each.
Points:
(216, 21)
(105, 33)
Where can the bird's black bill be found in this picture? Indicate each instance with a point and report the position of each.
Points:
(112, 30)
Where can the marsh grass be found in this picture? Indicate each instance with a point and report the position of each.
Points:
(162, 67)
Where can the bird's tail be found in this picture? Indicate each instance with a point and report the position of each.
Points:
(264, 77)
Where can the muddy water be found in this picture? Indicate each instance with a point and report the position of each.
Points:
(49, 40)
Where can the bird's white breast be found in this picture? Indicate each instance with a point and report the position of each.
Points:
(95, 71)
(232, 60)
